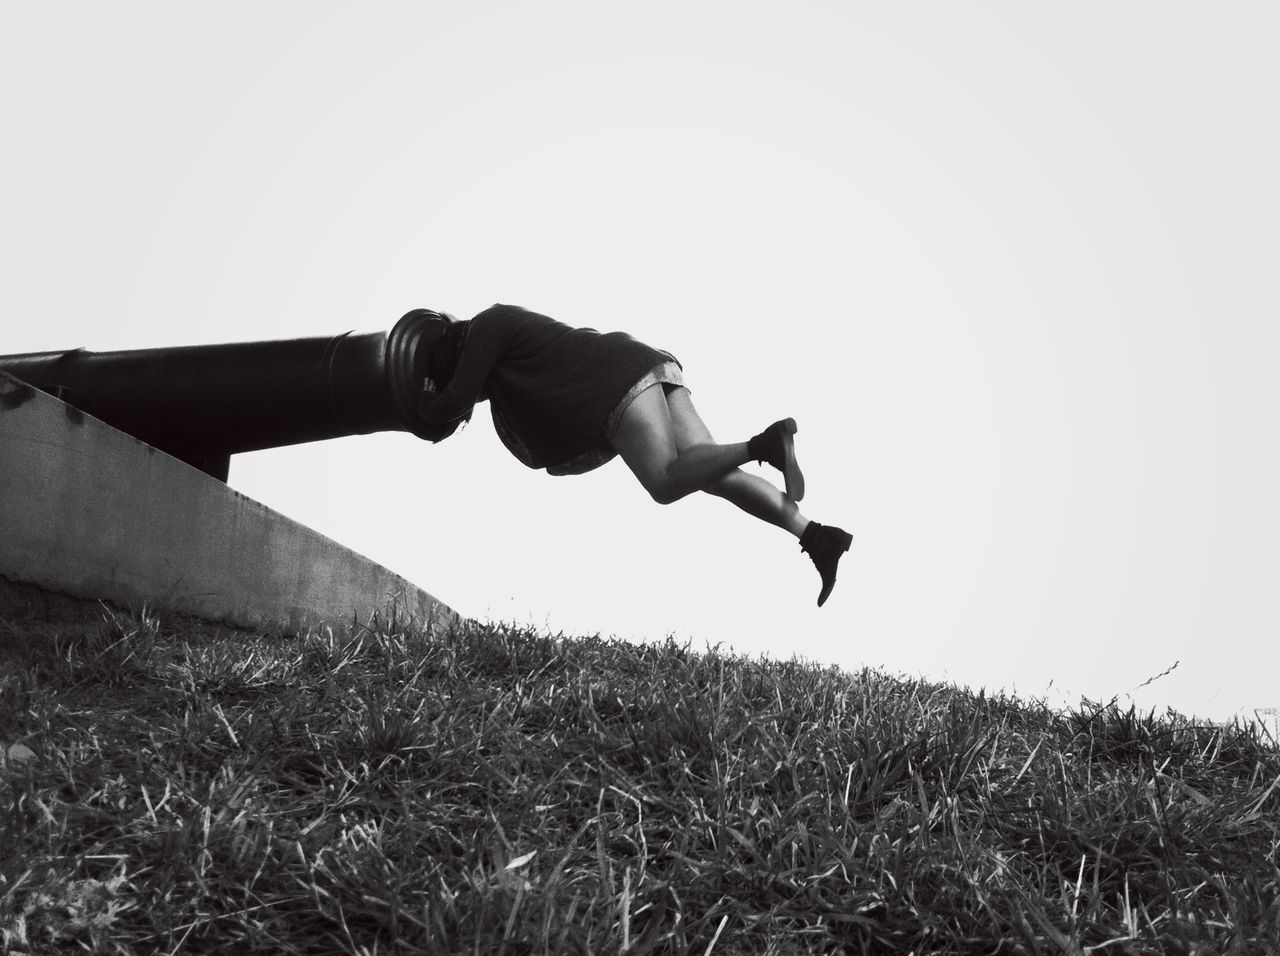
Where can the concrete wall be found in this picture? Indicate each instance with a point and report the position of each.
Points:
(88, 511)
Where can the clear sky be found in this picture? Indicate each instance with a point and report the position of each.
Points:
(1012, 268)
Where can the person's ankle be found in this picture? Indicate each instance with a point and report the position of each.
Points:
(808, 534)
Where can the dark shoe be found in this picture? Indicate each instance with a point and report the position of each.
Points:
(825, 544)
(775, 446)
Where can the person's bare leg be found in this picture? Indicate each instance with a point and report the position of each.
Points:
(753, 494)
(760, 499)
(646, 440)
(757, 497)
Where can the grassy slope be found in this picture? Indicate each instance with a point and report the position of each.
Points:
(500, 790)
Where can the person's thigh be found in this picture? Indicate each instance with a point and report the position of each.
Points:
(687, 424)
(691, 431)
(646, 437)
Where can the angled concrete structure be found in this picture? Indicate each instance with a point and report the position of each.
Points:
(91, 512)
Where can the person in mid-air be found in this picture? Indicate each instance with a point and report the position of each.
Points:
(569, 400)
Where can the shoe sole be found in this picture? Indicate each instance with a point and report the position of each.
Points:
(791, 472)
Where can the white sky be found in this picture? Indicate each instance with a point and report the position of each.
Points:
(1011, 266)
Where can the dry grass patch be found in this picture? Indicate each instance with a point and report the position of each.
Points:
(498, 790)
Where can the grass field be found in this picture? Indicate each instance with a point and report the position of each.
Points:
(168, 789)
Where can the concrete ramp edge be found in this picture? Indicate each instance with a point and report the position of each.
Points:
(90, 512)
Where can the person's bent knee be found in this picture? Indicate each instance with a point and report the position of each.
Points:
(664, 493)
(662, 489)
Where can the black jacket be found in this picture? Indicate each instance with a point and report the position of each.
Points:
(550, 386)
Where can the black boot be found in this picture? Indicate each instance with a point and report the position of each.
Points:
(776, 446)
(825, 544)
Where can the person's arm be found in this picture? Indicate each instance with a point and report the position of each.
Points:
(487, 338)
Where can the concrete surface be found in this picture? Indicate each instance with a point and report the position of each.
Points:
(90, 512)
